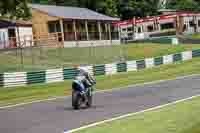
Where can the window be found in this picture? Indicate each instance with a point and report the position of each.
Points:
(184, 27)
(54, 27)
(198, 23)
(68, 27)
(192, 24)
(51, 28)
(150, 28)
(130, 28)
(167, 26)
(124, 29)
(58, 29)
(139, 29)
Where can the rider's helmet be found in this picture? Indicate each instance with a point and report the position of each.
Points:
(82, 70)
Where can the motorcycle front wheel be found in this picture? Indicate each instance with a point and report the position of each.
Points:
(76, 100)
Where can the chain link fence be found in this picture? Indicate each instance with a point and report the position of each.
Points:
(41, 55)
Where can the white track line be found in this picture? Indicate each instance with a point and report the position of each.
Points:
(128, 115)
(101, 91)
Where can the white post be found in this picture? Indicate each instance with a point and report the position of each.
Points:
(109, 30)
(86, 27)
(106, 30)
(99, 29)
(62, 31)
(74, 27)
(119, 31)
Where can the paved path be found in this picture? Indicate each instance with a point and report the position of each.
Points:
(54, 116)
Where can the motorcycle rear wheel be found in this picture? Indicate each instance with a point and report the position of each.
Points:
(89, 101)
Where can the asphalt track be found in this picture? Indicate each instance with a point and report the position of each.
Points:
(55, 116)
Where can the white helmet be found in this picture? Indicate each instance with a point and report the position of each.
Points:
(83, 70)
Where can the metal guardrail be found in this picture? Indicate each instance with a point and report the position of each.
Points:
(58, 75)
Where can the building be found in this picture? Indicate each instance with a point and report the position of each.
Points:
(168, 24)
(15, 33)
(73, 26)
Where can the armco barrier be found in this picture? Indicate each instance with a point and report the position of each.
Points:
(54, 75)
(15, 79)
(58, 75)
(99, 70)
(36, 77)
(70, 73)
(196, 53)
(111, 69)
(140, 64)
(1, 80)
(158, 61)
(177, 57)
(149, 62)
(131, 66)
(168, 59)
(121, 67)
(186, 55)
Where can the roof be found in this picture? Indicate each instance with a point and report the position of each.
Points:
(8, 23)
(158, 18)
(72, 12)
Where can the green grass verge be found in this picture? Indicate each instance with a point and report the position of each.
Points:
(42, 91)
(196, 36)
(46, 58)
(179, 118)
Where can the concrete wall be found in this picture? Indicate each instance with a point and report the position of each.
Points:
(90, 43)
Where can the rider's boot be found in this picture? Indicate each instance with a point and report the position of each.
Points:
(85, 96)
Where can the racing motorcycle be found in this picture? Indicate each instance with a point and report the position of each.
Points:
(79, 99)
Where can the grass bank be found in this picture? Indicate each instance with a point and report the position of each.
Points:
(196, 36)
(46, 58)
(9, 96)
(179, 118)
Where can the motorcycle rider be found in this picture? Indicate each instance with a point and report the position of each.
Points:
(85, 80)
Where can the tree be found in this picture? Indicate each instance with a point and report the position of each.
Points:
(138, 8)
(118, 8)
(109, 7)
(103, 6)
(187, 5)
(15, 9)
(22, 9)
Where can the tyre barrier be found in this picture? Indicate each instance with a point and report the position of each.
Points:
(58, 75)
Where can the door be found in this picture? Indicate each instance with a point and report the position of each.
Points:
(12, 37)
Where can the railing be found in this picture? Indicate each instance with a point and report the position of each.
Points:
(69, 36)
(81, 36)
(94, 36)
(104, 36)
(51, 39)
(13, 42)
